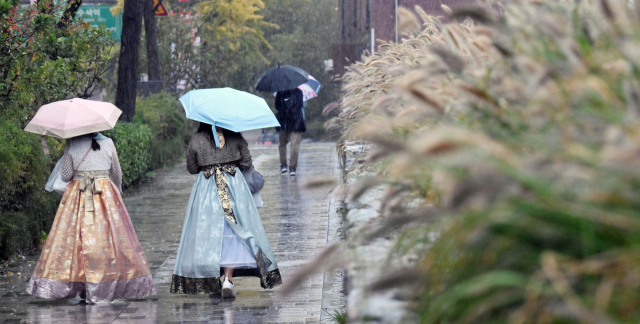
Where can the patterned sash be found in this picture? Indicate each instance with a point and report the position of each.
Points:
(90, 186)
(221, 184)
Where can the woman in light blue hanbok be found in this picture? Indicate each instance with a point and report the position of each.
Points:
(222, 230)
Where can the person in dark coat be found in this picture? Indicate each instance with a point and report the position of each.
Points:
(289, 105)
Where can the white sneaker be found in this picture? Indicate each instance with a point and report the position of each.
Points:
(227, 289)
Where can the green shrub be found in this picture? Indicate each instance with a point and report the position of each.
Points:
(132, 141)
(39, 63)
(25, 207)
(20, 231)
(54, 64)
(171, 134)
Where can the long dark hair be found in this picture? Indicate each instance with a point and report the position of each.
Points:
(94, 144)
(208, 129)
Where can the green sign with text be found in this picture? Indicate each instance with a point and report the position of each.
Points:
(97, 15)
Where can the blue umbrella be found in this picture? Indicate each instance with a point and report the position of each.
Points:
(228, 108)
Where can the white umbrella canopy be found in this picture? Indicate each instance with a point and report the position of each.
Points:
(73, 117)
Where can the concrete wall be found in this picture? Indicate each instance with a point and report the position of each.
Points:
(357, 17)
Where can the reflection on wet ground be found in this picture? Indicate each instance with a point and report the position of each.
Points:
(299, 223)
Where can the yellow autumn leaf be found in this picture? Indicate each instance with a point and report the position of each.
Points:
(117, 9)
(233, 19)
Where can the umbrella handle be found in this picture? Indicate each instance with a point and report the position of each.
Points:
(45, 147)
(215, 135)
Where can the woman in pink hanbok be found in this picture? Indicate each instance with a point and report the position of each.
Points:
(92, 250)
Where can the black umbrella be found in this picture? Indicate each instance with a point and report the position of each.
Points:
(281, 78)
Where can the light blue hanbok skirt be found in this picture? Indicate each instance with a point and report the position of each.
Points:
(210, 241)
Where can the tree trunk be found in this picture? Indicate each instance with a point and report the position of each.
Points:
(69, 13)
(150, 29)
(128, 61)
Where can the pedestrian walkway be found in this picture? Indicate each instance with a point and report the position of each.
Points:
(299, 223)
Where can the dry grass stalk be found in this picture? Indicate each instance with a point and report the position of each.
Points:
(327, 259)
(522, 125)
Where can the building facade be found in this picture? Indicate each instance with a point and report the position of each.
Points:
(363, 23)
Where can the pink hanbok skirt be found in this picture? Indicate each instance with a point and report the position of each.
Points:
(94, 255)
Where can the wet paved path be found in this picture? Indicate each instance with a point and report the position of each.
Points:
(299, 223)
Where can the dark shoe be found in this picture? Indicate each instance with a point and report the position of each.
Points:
(292, 171)
(283, 169)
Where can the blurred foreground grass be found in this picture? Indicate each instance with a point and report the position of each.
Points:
(515, 125)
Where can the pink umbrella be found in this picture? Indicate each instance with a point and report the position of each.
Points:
(74, 117)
